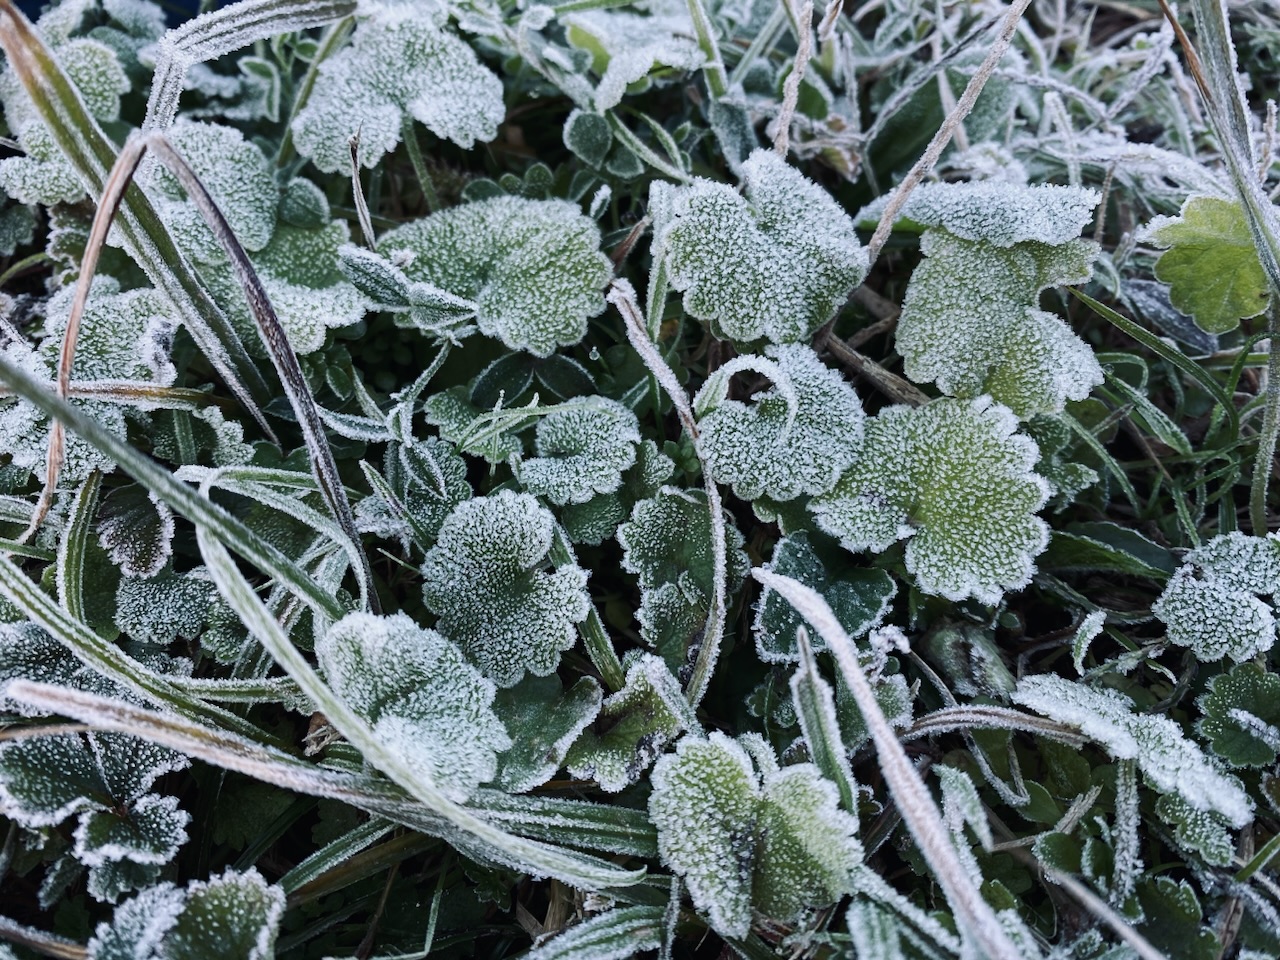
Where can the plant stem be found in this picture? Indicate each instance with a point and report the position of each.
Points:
(1264, 459)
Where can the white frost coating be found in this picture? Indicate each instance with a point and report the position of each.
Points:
(956, 480)
(777, 843)
(795, 438)
(775, 263)
(138, 927)
(1001, 214)
(533, 268)
(1090, 627)
(971, 322)
(420, 696)
(483, 579)
(399, 61)
(1170, 762)
(1213, 604)
(583, 450)
(151, 832)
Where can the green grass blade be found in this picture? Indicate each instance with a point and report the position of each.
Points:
(70, 572)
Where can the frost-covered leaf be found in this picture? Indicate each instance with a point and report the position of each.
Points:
(956, 480)
(136, 530)
(484, 579)
(772, 842)
(795, 438)
(457, 419)
(17, 226)
(1172, 919)
(1211, 264)
(859, 598)
(1200, 831)
(429, 479)
(971, 319)
(634, 726)
(230, 915)
(123, 335)
(150, 832)
(160, 609)
(543, 720)
(773, 264)
(400, 61)
(533, 268)
(425, 703)
(28, 652)
(1170, 762)
(597, 519)
(1212, 603)
(583, 449)
(1242, 716)
(614, 935)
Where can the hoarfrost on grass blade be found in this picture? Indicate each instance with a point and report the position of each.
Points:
(772, 264)
(532, 268)
(954, 479)
(483, 579)
(1169, 761)
(401, 60)
(793, 439)
(422, 699)
(1213, 604)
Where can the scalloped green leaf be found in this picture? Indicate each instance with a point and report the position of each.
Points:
(597, 519)
(160, 609)
(136, 530)
(772, 842)
(400, 63)
(543, 720)
(1199, 831)
(532, 268)
(583, 449)
(1242, 716)
(1213, 604)
(423, 700)
(485, 581)
(773, 263)
(956, 481)
(795, 438)
(626, 46)
(1211, 264)
(859, 599)
(452, 413)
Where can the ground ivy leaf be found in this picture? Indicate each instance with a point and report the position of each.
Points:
(1211, 603)
(583, 449)
(160, 609)
(543, 721)
(424, 701)
(1170, 762)
(149, 832)
(778, 846)
(795, 438)
(230, 915)
(773, 264)
(399, 61)
(954, 479)
(533, 268)
(484, 580)
(136, 530)
(1211, 264)
(633, 727)
(597, 519)
(859, 598)
(1242, 716)
(29, 652)
(1172, 919)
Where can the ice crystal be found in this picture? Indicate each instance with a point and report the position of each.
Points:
(795, 438)
(484, 580)
(583, 449)
(532, 269)
(424, 701)
(1170, 762)
(1213, 604)
(401, 61)
(954, 479)
(773, 264)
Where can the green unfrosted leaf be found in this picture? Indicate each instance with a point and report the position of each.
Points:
(583, 449)
(1173, 919)
(772, 264)
(971, 322)
(230, 915)
(543, 721)
(954, 479)
(1242, 716)
(484, 580)
(420, 697)
(795, 438)
(400, 61)
(1213, 604)
(769, 841)
(1211, 264)
(633, 727)
(532, 268)
(859, 598)
(1170, 762)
